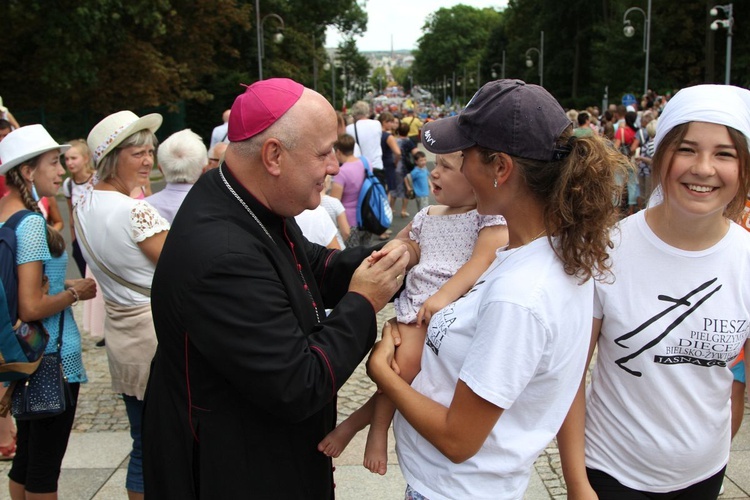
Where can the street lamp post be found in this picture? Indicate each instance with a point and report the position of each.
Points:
(445, 88)
(502, 69)
(333, 81)
(315, 65)
(343, 80)
(453, 90)
(463, 95)
(278, 37)
(540, 52)
(629, 31)
(727, 23)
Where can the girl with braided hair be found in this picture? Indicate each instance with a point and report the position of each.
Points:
(31, 164)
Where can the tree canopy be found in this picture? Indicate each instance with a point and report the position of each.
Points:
(91, 57)
(76, 60)
(585, 50)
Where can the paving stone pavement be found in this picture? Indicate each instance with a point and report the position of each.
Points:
(101, 411)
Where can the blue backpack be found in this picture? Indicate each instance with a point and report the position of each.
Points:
(21, 344)
(374, 212)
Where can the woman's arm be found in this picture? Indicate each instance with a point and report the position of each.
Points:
(152, 246)
(458, 431)
(489, 240)
(634, 145)
(571, 438)
(54, 218)
(393, 144)
(408, 183)
(34, 303)
(344, 227)
(70, 218)
(12, 119)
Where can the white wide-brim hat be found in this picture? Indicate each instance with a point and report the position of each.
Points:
(25, 143)
(111, 131)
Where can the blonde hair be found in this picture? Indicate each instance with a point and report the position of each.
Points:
(83, 148)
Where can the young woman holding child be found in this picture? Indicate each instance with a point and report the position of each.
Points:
(451, 245)
(501, 364)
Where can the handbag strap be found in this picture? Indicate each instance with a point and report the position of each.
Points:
(127, 284)
(356, 135)
(60, 333)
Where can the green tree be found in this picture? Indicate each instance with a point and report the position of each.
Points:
(401, 76)
(109, 54)
(378, 78)
(453, 38)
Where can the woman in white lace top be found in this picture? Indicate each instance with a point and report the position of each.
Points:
(121, 240)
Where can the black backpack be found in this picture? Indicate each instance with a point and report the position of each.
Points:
(407, 159)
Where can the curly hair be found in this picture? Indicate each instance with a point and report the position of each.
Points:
(673, 139)
(13, 178)
(577, 193)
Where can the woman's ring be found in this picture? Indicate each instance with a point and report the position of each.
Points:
(399, 277)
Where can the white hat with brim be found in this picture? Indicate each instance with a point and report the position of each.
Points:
(25, 143)
(111, 131)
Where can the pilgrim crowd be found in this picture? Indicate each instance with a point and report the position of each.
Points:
(545, 245)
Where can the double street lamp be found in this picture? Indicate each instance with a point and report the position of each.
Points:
(277, 37)
(540, 52)
(725, 23)
(629, 31)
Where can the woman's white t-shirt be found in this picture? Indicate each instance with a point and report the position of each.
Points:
(658, 411)
(519, 339)
(114, 224)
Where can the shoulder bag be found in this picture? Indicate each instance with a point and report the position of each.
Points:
(46, 392)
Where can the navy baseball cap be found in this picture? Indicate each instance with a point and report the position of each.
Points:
(509, 116)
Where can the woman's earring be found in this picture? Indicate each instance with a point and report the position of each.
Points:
(494, 183)
(34, 194)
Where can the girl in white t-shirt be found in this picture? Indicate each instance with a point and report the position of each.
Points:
(656, 419)
(451, 245)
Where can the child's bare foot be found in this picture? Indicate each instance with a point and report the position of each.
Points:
(376, 453)
(337, 440)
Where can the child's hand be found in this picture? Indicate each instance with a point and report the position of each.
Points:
(431, 306)
(379, 254)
